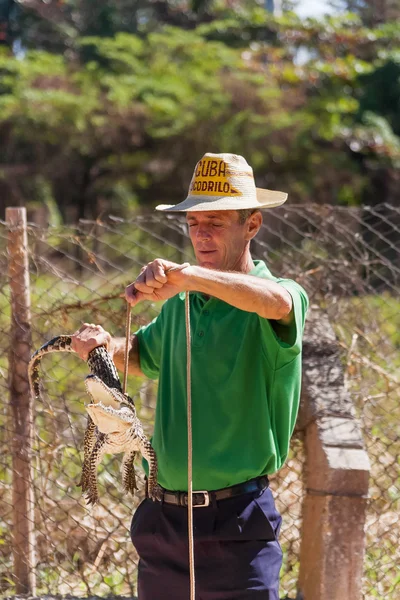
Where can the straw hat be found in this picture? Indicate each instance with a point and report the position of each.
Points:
(224, 182)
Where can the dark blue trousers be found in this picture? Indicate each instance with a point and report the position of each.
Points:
(237, 554)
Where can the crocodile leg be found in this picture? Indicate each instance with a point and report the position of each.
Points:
(128, 472)
(148, 453)
(99, 450)
(89, 441)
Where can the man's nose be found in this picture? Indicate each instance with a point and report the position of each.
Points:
(203, 233)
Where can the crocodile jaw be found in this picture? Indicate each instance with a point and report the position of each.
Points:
(108, 419)
(106, 410)
(102, 394)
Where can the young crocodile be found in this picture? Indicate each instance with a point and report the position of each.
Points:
(112, 427)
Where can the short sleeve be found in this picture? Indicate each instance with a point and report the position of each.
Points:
(289, 337)
(150, 346)
(292, 339)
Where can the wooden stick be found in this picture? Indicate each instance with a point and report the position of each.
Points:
(21, 402)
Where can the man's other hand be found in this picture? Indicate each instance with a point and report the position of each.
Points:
(158, 280)
(88, 337)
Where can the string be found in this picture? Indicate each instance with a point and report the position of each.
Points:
(127, 338)
(190, 449)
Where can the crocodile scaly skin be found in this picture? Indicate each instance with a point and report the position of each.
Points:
(128, 438)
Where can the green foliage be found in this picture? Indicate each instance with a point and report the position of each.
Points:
(381, 92)
(113, 108)
(370, 11)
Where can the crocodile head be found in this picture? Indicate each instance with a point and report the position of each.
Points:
(110, 410)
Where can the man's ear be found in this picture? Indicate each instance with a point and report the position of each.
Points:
(253, 224)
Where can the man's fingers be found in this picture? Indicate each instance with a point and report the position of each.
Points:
(146, 277)
(88, 337)
(88, 328)
(145, 288)
(150, 281)
(150, 278)
(138, 297)
(158, 272)
(153, 276)
(130, 293)
(84, 327)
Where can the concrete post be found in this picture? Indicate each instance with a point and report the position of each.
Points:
(337, 474)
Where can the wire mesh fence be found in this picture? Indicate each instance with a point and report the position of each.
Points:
(348, 260)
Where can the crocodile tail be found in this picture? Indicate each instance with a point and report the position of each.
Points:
(99, 362)
(60, 343)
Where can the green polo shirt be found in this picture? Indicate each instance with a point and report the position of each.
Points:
(245, 388)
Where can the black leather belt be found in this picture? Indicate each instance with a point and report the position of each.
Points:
(203, 498)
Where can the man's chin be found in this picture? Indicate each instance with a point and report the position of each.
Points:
(208, 262)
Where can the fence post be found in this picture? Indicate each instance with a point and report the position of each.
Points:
(337, 474)
(21, 402)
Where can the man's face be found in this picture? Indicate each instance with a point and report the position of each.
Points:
(219, 239)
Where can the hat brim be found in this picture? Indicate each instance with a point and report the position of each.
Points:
(264, 199)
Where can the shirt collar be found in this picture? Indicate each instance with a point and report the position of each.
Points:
(260, 269)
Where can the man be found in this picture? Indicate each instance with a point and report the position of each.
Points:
(246, 330)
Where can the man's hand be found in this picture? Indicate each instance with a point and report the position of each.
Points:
(158, 280)
(88, 337)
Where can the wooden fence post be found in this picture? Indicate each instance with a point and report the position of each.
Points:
(21, 402)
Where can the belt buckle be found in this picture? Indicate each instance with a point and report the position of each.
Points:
(206, 499)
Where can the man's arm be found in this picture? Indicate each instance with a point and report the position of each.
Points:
(91, 336)
(118, 354)
(267, 298)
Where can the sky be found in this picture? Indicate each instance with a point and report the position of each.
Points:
(313, 8)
